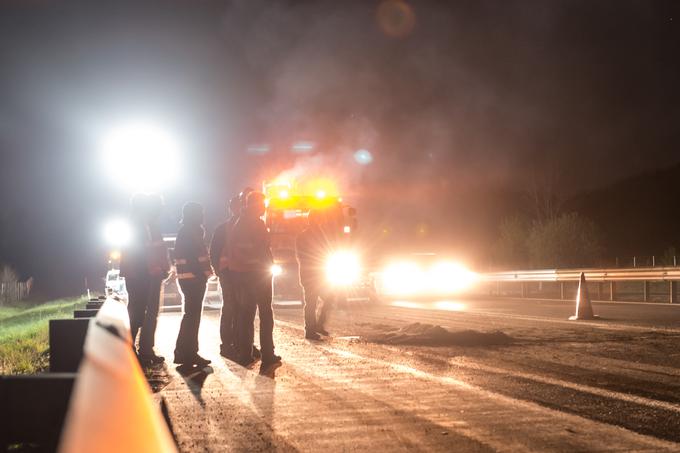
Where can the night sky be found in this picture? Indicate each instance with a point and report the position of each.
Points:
(460, 103)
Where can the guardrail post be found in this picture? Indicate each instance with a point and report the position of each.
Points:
(599, 290)
(612, 290)
(673, 297)
(525, 291)
(562, 290)
(645, 291)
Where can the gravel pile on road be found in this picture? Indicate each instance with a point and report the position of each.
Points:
(430, 335)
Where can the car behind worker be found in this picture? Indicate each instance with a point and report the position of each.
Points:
(193, 271)
(219, 259)
(250, 261)
(144, 264)
(312, 247)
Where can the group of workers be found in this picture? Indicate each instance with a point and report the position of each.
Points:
(240, 255)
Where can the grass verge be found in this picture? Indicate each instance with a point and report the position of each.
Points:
(24, 336)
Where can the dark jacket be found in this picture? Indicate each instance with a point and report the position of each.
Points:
(249, 245)
(219, 252)
(146, 255)
(191, 255)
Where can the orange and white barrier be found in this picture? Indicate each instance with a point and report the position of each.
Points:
(111, 409)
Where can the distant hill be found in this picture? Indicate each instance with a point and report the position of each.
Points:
(639, 215)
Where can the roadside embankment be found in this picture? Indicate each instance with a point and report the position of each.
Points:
(24, 336)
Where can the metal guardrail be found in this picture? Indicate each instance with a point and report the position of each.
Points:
(111, 408)
(612, 276)
(600, 275)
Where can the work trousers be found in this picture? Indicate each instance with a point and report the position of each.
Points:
(229, 314)
(193, 291)
(253, 293)
(144, 296)
(315, 316)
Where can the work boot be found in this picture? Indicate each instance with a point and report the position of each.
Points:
(228, 352)
(312, 335)
(199, 361)
(257, 355)
(273, 359)
(269, 365)
(192, 360)
(322, 331)
(150, 359)
(246, 362)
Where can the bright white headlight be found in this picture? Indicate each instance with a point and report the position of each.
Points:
(450, 277)
(406, 278)
(276, 270)
(343, 268)
(402, 278)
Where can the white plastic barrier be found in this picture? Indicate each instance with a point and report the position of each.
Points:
(111, 409)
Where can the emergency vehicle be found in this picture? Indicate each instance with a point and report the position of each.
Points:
(288, 204)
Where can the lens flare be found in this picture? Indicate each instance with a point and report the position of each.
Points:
(363, 157)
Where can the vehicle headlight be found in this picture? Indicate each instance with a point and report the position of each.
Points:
(276, 270)
(403, 278)
(409, 279)
(343, 268)
(450, 277)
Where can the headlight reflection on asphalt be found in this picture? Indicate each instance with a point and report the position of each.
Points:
(448, 305)
(444, 305)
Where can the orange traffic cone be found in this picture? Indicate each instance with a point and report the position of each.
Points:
(584, 309)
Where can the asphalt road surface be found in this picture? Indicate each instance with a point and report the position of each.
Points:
(607, 385)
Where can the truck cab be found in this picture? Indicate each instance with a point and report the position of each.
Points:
(287, 208)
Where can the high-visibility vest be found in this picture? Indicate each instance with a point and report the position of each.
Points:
(191, 260)
(184, 271)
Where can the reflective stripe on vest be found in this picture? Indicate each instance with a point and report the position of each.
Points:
(186, 275)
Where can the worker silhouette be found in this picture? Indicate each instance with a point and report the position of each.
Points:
(312, 247)
(144, 264)
(219, 259)
(193, 271)
(250, 261)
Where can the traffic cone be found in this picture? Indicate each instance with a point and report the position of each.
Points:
(584, 309)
